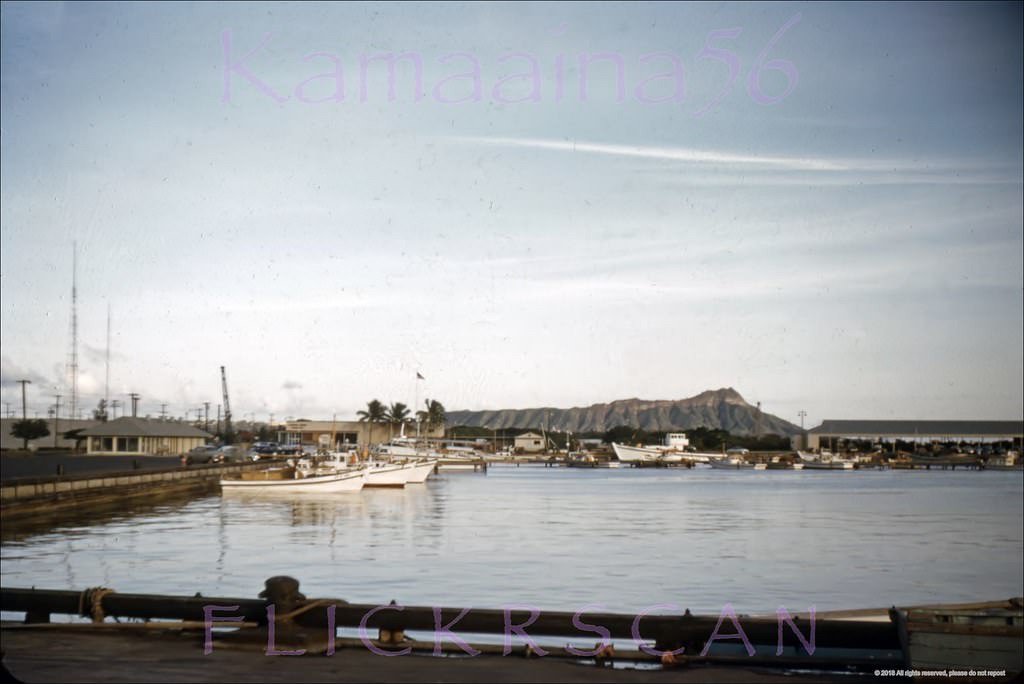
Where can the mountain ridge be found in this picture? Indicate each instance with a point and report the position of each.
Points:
(724, 408)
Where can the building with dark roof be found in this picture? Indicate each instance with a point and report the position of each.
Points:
(917, 430)
(142, 436)
(58, 428)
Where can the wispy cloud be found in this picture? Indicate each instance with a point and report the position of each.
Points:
(678, 154)
(809, 170)
(11, 373)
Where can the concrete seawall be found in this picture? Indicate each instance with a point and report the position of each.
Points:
(28, 497)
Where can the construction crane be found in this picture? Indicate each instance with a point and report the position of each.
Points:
(228, 435)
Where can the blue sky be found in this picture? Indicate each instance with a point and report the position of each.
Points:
(852, 249)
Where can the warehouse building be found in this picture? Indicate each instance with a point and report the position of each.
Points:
(142, 437)
(925, 431)
(321, 433)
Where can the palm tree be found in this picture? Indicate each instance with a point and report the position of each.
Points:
(434, 415)
(375, 412)
(398, 413)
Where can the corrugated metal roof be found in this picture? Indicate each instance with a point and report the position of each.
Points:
(143, 427)
(923, 428)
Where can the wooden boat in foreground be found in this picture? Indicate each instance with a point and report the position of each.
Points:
(963, 638)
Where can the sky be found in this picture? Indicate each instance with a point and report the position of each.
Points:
(819, 205)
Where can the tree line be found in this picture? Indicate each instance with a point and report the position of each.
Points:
(397, 413)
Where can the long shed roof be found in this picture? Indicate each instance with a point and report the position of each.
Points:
(143, 427)
(922, 428)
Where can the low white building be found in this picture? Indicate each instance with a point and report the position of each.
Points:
(142, 437)
(530, 442)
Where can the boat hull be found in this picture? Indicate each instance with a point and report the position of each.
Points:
(387, 476)
(628, 454)
(827, 465)
(735, 464)
(332, 483)
(945, 638)
(418, 473)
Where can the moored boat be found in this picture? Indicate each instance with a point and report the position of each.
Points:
(735, 463)
(960, 638)
(825, 461)
(417, 472)
(637, 454)
(386, 475)
(295, 481)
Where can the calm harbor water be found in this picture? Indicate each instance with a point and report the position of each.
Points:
(565, 538)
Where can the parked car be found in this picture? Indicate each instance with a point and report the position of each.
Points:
(229, 454)
(201, 454)
(265, 449)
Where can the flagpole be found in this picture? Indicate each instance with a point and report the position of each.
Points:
(416, 405)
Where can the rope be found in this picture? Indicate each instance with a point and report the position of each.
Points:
(90, 603)
(306, 608)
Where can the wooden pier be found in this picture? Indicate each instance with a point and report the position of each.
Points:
(197, 638)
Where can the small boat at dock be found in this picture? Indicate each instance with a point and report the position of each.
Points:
(825, 461)
(292, 480)
(735, 463)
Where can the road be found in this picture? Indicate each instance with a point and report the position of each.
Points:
(45, 464)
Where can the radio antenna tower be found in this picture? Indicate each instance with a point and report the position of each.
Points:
(106, 384)
(73, 365)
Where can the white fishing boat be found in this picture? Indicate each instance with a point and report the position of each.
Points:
(417, 472)
(386, 474)
(778, 463)
(292, 480)
(585, 459)
(735, 463)
(825, 461)
(637, 454)
(673, 451)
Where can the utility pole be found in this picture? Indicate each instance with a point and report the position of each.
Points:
(113, 407)
(106, 384)
(24, 410)
(228, 436)
(206, 416)
(135, 403)
(163, 411)
(802, 414)
(56, 421)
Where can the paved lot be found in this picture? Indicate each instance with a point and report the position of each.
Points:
(44, 464)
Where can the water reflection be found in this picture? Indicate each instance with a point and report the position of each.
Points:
(565, 538)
